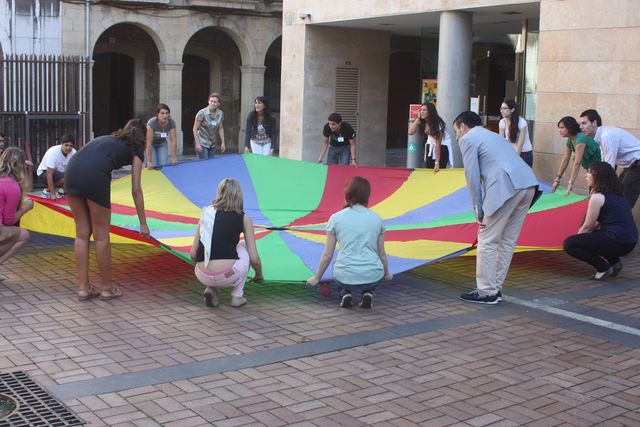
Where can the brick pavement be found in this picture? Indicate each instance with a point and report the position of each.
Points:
(420, 357)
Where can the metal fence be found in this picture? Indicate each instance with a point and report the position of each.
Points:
(41, 98)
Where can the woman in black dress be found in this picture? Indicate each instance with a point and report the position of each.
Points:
(88, 190)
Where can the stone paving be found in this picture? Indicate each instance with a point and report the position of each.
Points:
(560, 350)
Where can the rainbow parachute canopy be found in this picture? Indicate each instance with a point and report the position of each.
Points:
(427, 216)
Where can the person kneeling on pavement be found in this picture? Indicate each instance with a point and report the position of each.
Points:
(362, 261)
(222, 260)
(54, 163)
(608, 231)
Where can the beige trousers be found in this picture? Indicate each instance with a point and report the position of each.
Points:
(497, 240)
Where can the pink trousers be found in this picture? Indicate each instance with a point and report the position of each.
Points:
(234, 277)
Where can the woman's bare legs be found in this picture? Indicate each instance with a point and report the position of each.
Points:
(22, 240)
(100, 223)
(82, 218)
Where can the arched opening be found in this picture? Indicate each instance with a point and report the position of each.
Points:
(125, 77)
(273, 62)
(211, 64)
(404, 72)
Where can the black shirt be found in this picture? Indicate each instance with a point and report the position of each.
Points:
(340, 138)
(227, 228)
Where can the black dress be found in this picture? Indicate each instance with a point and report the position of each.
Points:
(89, 171)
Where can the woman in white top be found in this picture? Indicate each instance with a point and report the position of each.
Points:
(514, 129)
(438, 152)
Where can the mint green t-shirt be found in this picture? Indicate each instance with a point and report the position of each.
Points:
(357, 230)
(591, 149)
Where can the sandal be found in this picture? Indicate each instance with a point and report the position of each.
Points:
(3, 277)
(111, 293)
(87, 294)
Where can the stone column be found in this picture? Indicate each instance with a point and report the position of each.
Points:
(171, 94)
(252, 86)
(454, 70)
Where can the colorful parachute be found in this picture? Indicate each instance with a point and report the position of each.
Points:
(427, 216)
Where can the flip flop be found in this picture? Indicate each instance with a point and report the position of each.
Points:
(3, 277)
(111, 293)
(86, 295)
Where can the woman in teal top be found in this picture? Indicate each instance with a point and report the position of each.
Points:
(362, 261)
(586, 148)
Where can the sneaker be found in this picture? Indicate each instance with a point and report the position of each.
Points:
(499, 296)
(474, 296)
(616, 268)
(238, 301)
(46, 193)
(211, 297)
(367, 300)
(60, 192)
(346, 301)
(601, 275)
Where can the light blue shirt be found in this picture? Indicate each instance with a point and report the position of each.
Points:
(357, 230)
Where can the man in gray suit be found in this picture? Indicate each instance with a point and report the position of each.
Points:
(502, 188)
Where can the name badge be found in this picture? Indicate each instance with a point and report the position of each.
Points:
(213, 123)
(341, 139)
(163, 134)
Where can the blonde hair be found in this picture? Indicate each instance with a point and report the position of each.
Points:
(12, 165)
(229, 197)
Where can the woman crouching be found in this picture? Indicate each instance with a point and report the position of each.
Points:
(608, 231)
(362, 261)
(222, 260)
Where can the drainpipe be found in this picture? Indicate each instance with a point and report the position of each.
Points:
(87, 23)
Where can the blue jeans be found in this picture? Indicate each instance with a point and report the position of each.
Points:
(160, 154)
(207, 152)
(339, 155)
(365, 287)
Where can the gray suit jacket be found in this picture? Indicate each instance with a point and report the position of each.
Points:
(493, 169)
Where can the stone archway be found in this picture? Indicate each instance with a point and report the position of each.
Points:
(125, 77)
(212, 63)
(273, 64)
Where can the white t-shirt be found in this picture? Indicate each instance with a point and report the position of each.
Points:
(430, 145)
(54, 159)
(522, 124)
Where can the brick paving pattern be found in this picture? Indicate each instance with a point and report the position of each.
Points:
(499, 366)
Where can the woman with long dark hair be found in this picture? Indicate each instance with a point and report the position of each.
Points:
(260, 136)
(585, 148)
(431, 127)
(514, 129)
(87, 186)
(608, 231)
(161, 136)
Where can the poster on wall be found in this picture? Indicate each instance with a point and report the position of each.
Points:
(430, 91)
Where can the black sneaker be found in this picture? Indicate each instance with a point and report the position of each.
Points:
(211, 297)
(346, 301)
(499, 296)
(616, 268)
(367, 300)
(474, 296)
(602, 275)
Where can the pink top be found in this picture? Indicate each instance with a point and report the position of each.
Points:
(10, 196)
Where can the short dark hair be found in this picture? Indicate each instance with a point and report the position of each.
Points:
(469, 118)
(67, 137)
(570, 124)
(161, 107)
(215, 95)
(357, 191)
(335, 117)
(592, 115)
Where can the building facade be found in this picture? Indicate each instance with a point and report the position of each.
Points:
(556, 57)
(145, 52)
